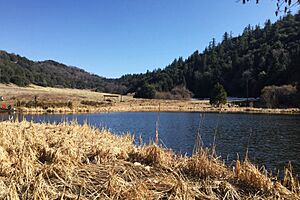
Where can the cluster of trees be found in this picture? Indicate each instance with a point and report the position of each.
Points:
(244, 65)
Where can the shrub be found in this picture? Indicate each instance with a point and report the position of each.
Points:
(181, 93)
(146, 91)
(177, 93)
(279, 96)
(163, 95)
(70, 104)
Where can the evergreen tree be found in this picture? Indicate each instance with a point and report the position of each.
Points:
(146, 91)
(218, 95)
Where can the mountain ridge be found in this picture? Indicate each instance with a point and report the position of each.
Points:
(22, 71)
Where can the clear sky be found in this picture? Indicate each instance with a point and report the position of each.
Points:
(115, 37)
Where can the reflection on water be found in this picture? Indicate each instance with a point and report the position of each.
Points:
(272, 140)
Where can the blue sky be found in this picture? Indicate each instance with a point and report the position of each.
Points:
(115, 37)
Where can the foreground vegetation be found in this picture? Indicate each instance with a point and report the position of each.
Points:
(72, 161)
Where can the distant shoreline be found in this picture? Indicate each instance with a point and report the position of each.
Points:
(40, 100)
(153, 108)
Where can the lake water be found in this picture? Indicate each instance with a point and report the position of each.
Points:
(272, 140)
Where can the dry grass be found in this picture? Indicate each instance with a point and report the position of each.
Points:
(72, 161)
(12, 92)
(202, 165)
(36, 99)
(52, 97)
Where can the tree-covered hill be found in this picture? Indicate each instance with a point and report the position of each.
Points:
(21, 71)
(260, 56)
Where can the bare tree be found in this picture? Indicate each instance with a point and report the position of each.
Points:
(282, 5)
(247, 76)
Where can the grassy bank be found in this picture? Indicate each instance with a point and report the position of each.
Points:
(155, 106)
(36, 100)
(71, 161)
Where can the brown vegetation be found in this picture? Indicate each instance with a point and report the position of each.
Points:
(71, 161)
(177, 93)
(280, 96)
(36, 99)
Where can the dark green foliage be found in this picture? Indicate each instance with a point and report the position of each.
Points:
(218, 95)
(21, 71)
(244, 65)
(19, 80)
(146, 91)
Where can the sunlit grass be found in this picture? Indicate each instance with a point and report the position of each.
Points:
(72, 161)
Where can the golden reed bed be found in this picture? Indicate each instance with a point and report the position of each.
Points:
(72, 161)
(154, 106)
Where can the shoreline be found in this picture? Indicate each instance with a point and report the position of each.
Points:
(40, 100)
(153, 108)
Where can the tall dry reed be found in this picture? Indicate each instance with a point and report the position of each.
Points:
(72, 161)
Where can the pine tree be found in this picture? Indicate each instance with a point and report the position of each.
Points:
(218, 95)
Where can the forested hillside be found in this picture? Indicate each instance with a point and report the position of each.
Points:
(260, 56)
(21, 71)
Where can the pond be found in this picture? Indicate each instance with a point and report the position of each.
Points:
(271, 140)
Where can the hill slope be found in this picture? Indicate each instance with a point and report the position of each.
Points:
(21, 71)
